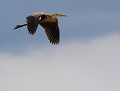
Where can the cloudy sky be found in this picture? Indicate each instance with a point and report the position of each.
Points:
(87, 58)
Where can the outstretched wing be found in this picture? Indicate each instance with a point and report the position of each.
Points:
(52, 31)
(31, 24)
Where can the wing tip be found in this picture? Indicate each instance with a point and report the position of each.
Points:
(54, 43)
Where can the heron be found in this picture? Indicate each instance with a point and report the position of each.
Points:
(48, 21)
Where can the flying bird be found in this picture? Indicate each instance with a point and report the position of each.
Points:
(48, 21)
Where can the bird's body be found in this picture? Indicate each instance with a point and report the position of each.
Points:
(48, 21)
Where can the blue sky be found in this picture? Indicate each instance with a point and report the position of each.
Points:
(86, 19)
(87, 57)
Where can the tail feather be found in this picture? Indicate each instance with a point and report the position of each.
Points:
(19, 26)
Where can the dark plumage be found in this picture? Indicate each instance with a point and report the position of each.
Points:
(48, 21)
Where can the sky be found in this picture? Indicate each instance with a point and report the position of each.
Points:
(87, 58)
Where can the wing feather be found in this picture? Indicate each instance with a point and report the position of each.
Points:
(52, 31)
(31, 24)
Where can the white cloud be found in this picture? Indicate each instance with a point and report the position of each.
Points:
(74, 66)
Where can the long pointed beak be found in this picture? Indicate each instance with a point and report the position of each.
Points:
(62, 15)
